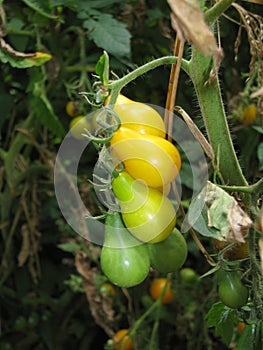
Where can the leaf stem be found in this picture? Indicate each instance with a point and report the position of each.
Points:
(256, 188)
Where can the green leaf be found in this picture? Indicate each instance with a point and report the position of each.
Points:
(223, 319)
(198, 219)
(109, 34)
(42, 7)
(220, 214)
(260, 156)
(40, 104)
(69, 247)
(71, 3)
(96, 4)
(102, 68)
(24, 62)
(259, 129)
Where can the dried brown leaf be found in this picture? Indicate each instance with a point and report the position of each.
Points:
(239, 222)
(197, 133)
(25, 248)
(100, 306)
(225, 214)
(257, 93)
(188, 21)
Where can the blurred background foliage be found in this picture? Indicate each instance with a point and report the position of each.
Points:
(43, 303)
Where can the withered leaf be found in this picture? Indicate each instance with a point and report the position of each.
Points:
(188, 21)
(26, 246)
(101, 308)
(225, 214)
(257, 93)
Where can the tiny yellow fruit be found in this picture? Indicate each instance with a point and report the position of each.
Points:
(73, 109)
(249, 115)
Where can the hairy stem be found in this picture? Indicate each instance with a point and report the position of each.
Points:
(117, 85)
(212, 109)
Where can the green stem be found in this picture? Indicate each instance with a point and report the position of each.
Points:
(212, 109)
(256, 188)
(117, 85)
(138, 323)
(20, 32)
(79, 68)
(256, 278)
(216, 11)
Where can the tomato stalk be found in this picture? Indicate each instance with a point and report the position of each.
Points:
(256, 278)
(216, 11)
(155, 307)
(117, 85)
(214, 116)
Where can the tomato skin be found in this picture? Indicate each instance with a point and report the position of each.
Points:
(138, 116)
(240, 327)
(157, 287)
(122, 341)
(107, 289)
(77, 126)
(124, 260)
(146, 212)
(188, 275)
(168, 255)
(149, 158)
(231, 290)
(72, 108)
(249, 114)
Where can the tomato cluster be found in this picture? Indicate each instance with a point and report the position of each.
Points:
(142, 233)
(151, 163)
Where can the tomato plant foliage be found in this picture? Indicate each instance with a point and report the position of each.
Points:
(52, 280)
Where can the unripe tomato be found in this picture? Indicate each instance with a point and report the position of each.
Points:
(122, 341)
(138, 116)
(149, 158)
(77, 126)
(168, 255)
(146, 212)
(73, 108)
(157, 287)
(231, 290)
(107, 289)
(124, 260)
(249, 114)
(188, 275)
